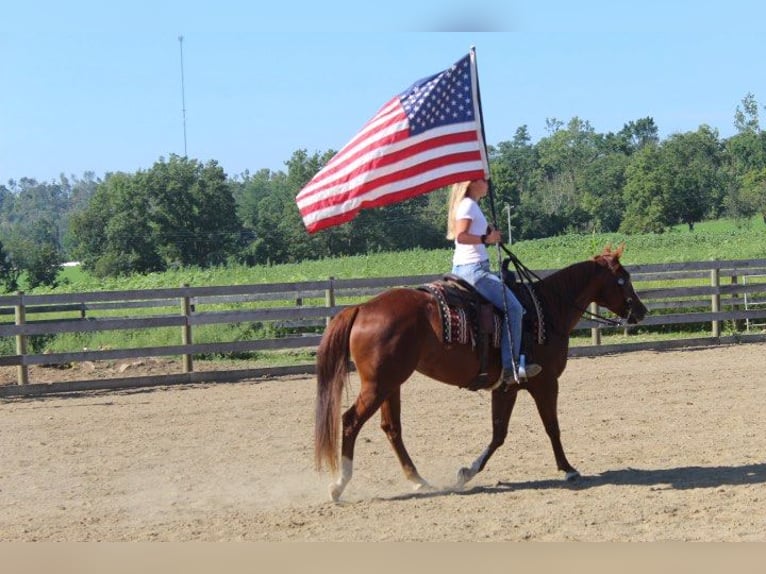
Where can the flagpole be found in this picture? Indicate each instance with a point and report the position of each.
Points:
(494, 216)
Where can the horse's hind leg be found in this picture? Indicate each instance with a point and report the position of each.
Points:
(390, 422)
(354, 418)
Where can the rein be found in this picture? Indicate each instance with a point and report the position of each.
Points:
(528, 277)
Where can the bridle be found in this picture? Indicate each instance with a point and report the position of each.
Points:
(625, 285)
(622, 321)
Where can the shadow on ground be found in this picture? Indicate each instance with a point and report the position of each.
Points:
(682, 478)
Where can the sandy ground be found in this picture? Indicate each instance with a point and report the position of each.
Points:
(670, 445)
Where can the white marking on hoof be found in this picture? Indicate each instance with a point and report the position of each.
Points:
(572, 475)
(463, 476)
(347, 470)
(466, 474)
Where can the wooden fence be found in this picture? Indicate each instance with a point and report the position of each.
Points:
(711, 293)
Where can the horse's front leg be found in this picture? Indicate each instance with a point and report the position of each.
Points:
(546, 395)
(503, 402)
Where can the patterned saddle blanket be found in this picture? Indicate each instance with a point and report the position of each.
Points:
(465, 315)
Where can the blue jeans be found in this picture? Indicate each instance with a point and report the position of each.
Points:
(492, 288)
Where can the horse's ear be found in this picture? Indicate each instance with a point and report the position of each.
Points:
(611, 257)
(615, 253)
(607, 252)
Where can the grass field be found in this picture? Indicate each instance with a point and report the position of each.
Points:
(714, 240)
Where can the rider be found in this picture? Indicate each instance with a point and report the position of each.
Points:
(468, 226)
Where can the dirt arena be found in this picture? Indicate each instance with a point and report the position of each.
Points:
(671, 447)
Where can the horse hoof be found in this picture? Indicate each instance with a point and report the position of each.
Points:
(422, 486)
(572, 475)
(463, 476)
(335, 492)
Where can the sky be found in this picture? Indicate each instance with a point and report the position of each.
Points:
(95, 86)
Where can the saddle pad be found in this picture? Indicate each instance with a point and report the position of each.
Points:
(460, 321)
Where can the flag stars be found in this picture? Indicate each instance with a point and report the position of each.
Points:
(440, 101)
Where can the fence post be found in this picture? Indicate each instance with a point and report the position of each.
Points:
(716, 299)
(736, 323)
(329, 298)
(595, 332)
(186, 331)
(22, 377)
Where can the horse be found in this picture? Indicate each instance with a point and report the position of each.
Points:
(399, 332)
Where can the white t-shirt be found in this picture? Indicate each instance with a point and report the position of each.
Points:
(464, 252)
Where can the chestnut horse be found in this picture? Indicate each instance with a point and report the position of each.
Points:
(400, 331)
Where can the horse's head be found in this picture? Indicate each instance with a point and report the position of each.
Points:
(616, 292)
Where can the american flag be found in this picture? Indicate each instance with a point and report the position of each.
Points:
(427, 137)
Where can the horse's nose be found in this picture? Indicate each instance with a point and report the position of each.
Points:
(638, 312)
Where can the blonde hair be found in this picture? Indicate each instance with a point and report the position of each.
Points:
(457, 193)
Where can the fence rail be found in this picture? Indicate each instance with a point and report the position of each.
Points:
(712, 292)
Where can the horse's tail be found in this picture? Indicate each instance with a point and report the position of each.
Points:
(332, 375)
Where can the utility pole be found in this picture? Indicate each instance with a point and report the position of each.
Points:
(183, 95)
(508, 208)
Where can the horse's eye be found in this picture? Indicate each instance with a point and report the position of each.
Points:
(621, 281)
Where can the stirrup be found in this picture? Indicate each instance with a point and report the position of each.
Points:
(529, 371)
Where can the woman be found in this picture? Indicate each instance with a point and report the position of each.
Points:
(468, 227)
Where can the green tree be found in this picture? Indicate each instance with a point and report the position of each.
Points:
(266, 205)
(192, 211)
(645, 201)
(80, 192)
(745, 163)
(248, 193)
(564, 158)
(515, 177)
(36, 251)
(9, 271)
(274, 229)
(604, 177)
(746, 118)
(690, 171)
(639, 133)
(113, 236)
(676, 182)
(753, 193)
(7, 199)
(602, 195)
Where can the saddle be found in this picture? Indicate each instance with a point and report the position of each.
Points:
(468, 317)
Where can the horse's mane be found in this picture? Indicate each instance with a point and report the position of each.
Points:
(608, 258)
(568, 279)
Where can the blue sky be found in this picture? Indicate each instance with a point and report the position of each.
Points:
(96, 86)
